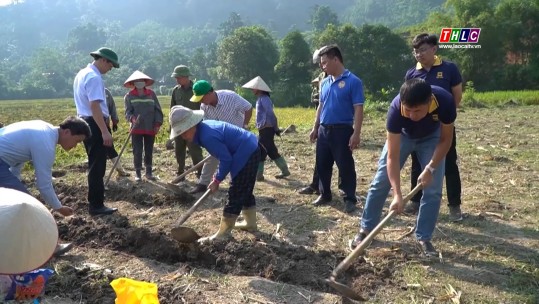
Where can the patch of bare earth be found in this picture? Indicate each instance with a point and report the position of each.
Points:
(299, 245)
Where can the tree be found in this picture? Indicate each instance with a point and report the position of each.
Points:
(293, 69)
(375, 54)
(233, 22)
(322, 16)
(483, 66)
(85, 38)
(160, 66)
(4, 87)
(391, 13)
(247, 52)
(49, 76)
(200, 64)
(519, 22)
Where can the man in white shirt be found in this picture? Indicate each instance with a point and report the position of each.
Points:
(36, 141)
(90, 101)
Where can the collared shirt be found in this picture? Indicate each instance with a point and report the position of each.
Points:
(441, 109)
(231, 145)
(338, 97)
(230, 108)
(34, 141)
(265, 117)
(181, 97)
(444, 74)
(87, 87)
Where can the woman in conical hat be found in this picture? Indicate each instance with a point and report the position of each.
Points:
(143, 110)
(28, 230)
(266, 123)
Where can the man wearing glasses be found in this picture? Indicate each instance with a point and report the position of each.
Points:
(445, 74)
(90, 101)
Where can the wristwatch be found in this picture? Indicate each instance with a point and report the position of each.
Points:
(430, 168)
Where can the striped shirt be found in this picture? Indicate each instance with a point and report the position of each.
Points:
(230, 108)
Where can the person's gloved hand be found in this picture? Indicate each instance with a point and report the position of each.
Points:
(114, 127)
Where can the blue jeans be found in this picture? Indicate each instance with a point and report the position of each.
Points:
(8, 180)
(432, 194)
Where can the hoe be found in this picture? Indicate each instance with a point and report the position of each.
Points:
(343, 266)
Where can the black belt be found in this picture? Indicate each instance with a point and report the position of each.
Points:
(336, 126)
(91, 117)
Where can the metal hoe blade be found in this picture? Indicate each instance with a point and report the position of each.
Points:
(344, 290)
(184, 234)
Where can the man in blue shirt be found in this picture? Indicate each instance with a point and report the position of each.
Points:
(337, 126)
(238, 154)
(420, 119)
(446, 75)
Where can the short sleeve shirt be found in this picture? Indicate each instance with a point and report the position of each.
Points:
(338, 96)
(441, 110)
(444, 74)
(87, 87)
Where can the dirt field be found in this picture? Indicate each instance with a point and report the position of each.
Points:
(490, 257)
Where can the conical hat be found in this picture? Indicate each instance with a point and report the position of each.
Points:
(257, 83)
(28, 232)
(138, 75)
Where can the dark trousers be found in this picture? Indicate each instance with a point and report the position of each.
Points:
(97, 165)
(452, 175)
(142, 142)
(240, 193)
(266, 137)
(315, 183)
(195, 151)
(111, 152)
(332, 147)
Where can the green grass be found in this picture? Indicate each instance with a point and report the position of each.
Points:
(504, 97)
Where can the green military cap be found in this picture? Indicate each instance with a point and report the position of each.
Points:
(181, 71)
(108, 54)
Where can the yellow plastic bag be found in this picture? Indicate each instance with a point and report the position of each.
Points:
(130, 291)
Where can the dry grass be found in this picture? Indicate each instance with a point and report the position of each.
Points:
(490, 257)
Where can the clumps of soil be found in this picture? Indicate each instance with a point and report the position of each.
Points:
(115, 233)
(276, 261)
(366, 277)
(267, 258)
(270, 259)
(143, 194)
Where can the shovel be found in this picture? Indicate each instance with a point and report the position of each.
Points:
(343, 289)
(172, 185)
(184, 234)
